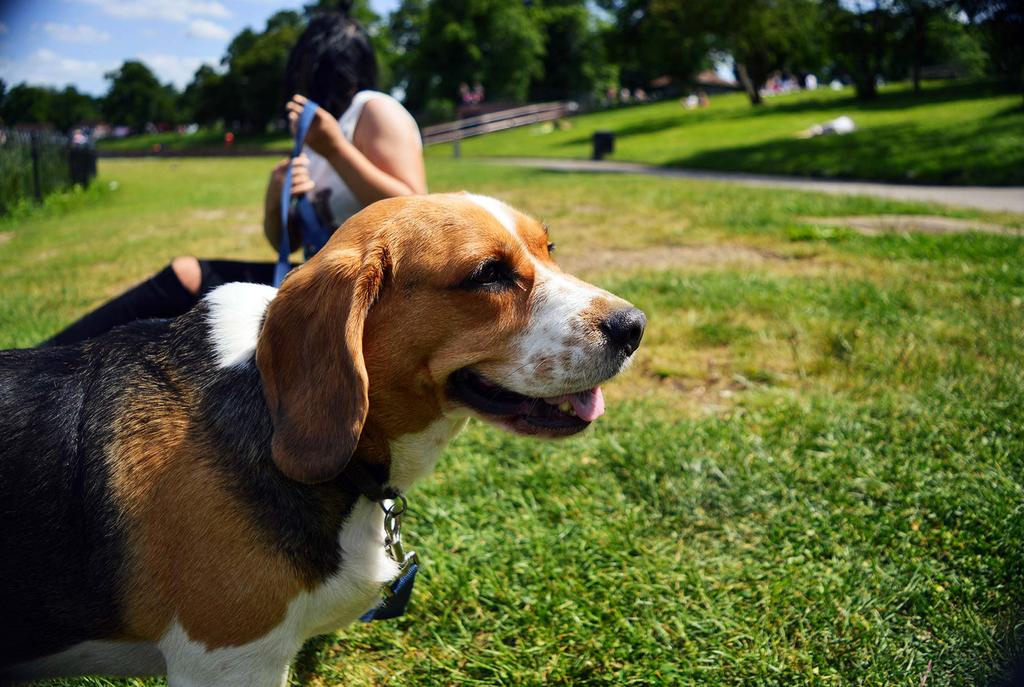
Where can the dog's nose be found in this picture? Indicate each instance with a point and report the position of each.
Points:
(624, 328)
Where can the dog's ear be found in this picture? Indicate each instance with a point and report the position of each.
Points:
(310, 358)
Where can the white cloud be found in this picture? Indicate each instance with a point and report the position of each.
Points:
(204, 28)
(66, 33)
(169, 10)
(3, 28)
(178, 70)
(47, 68)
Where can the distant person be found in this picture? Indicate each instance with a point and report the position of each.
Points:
(840, 126)
(362, 146)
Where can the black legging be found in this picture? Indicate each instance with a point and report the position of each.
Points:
(162, 295)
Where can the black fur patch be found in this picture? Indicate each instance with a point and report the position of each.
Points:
(61, 541)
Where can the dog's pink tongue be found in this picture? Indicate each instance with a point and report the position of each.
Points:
(588, 405)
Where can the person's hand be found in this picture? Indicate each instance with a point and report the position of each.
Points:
(301, 181)
(324, 135)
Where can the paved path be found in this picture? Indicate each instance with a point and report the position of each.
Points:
(1008, 198)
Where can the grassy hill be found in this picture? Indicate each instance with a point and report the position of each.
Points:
(950, 134)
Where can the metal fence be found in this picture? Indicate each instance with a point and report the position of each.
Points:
(496, 121)
(35, 164)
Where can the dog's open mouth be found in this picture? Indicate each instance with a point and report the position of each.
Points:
(553, 416)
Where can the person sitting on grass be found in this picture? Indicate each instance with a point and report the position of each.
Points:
(362, 146)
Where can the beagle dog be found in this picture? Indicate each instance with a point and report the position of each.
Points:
(177, 495)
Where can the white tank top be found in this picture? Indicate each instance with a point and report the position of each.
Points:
(332, 198)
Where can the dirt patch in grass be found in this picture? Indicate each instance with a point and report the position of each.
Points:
(6, 236)
(209, 215)
(874, 225)
(668, 257)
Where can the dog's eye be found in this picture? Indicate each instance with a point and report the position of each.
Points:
(551, 247)
(490, 274)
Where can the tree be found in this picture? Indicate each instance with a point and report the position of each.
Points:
(574, 61)
(920, 17)
(137, 98)
(1002, 26)
(203, 99)
(68, 107)
(26, 104)
(495, 42)
(765, 36)
(862, 36)
(405, 27)
(251, 93)
(654, 38)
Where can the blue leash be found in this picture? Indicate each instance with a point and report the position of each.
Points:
(395, 603)
(314, 235)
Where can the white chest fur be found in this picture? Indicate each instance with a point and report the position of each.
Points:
(413, 456)
(337, 602)
(365, 563)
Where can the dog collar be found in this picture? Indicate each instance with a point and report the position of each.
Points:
(360, 480)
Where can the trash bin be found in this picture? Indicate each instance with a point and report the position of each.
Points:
(82, 161)
(604, 144)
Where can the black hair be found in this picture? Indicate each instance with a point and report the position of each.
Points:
(331, 62)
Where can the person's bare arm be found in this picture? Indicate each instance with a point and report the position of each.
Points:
(385, 159)
(301, 183)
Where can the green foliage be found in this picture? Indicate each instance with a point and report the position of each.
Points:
(203, 100)
(897, 39)
(17, 182)
(1000, 22)
(494, 42)
(517, 51)
(250, 95)
(26, 104)
(653, 38)
(766, 36)
(574, 63)
(64, 108)
(69, 107)
(862, 40)
(136, 98)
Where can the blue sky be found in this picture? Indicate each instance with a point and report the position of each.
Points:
(59, 42)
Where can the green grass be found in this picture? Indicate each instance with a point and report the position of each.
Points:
(952, 133)
(812, 475)
(204, 138)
